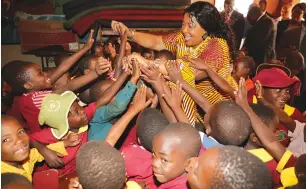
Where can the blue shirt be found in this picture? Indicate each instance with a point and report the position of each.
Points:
(100, 124)
(208, 142)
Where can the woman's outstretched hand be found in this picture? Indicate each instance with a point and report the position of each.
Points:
(120, 28)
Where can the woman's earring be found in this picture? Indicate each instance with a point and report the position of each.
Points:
(204, 36)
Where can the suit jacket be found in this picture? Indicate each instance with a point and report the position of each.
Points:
(237, 24)
(291, 38)
(260, 40)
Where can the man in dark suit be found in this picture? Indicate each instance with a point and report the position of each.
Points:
(260, 39)
(235, 20)
(263, 6)
(295, 38)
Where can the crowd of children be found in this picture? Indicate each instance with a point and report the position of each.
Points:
(118, 122)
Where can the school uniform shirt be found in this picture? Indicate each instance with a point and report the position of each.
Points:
(297, 139)
(287, 161)
(30, 106)
(264, 156)
(45, 136)
(208, 142)
(15, 112)
(179, 182)
(138, 164)
(34, 156)
(100, 124)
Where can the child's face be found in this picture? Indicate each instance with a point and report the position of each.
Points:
(240, 70)
(200, 169)
(148, 56)
(277, 97)
(168, 158)
(99, 51)
(77, 116)
(92, 65)
(15, 141)
(38, 80)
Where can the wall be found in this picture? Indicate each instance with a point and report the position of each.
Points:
(13, 52)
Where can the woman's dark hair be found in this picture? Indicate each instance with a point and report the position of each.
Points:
(210, 19)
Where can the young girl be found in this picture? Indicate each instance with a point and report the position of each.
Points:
(16, 155)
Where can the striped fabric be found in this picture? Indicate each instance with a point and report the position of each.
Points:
(215, 52)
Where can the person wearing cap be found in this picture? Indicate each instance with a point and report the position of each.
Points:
(65, 117)
(276, 85)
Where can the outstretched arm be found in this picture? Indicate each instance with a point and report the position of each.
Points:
(123, 41)
(69, 62)
(267, 138)
(146, 40)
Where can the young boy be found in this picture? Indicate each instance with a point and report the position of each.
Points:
(244, 67)
(276, 87)
(101, 122)
(255, 147)
(16, 155)
(12, 180)
(172, 147)
(35, 84)
(227, 167)
(284, 157)
(149, 122)
(65, 116)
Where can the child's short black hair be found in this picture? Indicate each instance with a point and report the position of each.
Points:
(168, 54)
(150, 122)
(189, 137)
(16, 75)
(100, 166)
(266, 114)
(236, 168)
(295, 61)
(10, 178)
(84, 62)
(248, 62)
(97, 89)
(230, 124)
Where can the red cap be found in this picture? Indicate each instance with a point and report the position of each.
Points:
(277, 78)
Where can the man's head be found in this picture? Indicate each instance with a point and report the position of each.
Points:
(172, 147)
(14, 181)
(99, 165)
(149, 123)
(229, 123)
(229, 6)
(298, 11)
(286, 11)
(263, 5)
(254, 14)
(243, 67)
(269, 118)
(295, 62)
(228, 167)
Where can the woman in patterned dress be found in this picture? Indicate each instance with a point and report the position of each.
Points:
(205, 35)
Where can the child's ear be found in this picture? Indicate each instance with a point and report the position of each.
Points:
(28, 86)
(254, 138)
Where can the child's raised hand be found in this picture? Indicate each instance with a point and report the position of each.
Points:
(140, 101)
(174, 72)
(135, 72)
(151, 73)
(259, 90)
(102, 66)
(154, 101)
(72, 140)
(118, 26)
(174, 99)
(241, 95)
(90, 40)
(74, 183)
(198, 64)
